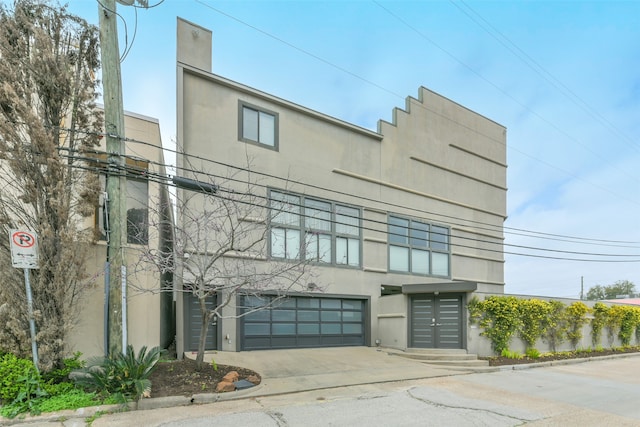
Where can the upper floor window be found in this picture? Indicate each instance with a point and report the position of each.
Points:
(317, 230)
(418, 247)
(258, 126)
(137, 206)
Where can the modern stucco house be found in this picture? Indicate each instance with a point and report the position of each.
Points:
(413, 212)
(150, 314)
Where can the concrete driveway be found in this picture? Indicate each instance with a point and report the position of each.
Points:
(287, 371)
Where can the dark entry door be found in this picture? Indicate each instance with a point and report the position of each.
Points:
(193, 325)
(436, 321)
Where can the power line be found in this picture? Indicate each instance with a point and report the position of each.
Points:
(163, 179)
(488, 227)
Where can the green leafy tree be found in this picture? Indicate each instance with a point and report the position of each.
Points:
(48, 60)
(621, 287)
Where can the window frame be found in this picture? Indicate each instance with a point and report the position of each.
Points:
(242, 105)
(306, 230)
(137, 173)
(412, 245)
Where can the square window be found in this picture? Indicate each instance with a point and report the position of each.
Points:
(258, 126)
(398, 230)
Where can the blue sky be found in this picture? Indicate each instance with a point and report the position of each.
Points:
(563, 77)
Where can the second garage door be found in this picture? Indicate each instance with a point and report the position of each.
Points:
(298, 322)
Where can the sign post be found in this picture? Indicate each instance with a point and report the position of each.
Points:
(24, 254)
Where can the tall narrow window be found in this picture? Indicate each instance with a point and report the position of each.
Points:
(347, 235)
(285, 225)
(137, 211)
(258, 126)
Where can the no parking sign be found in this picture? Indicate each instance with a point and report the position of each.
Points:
(24, 249)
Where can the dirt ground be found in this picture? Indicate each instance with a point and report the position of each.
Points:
(181, 378)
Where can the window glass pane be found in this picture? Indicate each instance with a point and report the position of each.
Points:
(398, 258)
(308, 328)
(352, 316)
(347, 220)
(317, 215)
(440, 264)
(292, 242)
(419, 261)
(283, 315)
(419, 234)
(259, 316)
(285, 303)
(352, 328)
(354, 252)
(249, 124)
(256, 329)
(398, 230)
(331, 316)
(267, 129)
(331, 328)
(285, 209)
(308, 316)
(331, 303)
(254, 301)
(324, 248)
(278, 242)
(439, 238)
(284, 328)
(341, 251)
(137, 211)
(311, 246)
(352, 305)
(308, 303)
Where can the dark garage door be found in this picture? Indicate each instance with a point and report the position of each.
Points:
(298, 322)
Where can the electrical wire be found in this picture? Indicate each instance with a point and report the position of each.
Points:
(478, 224)
(160, 178)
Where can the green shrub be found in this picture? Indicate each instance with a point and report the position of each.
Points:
(498, 316)
(12, 369)
(576, 315)
(533, 353)
(124, 375)
(534, 314)
(59, 375)
(598, 322)
(30, 395)
(510, 354)
(555, 324)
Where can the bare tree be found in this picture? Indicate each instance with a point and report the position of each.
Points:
(48, 60)
(219, 247)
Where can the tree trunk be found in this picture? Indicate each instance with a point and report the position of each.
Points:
(207, 315)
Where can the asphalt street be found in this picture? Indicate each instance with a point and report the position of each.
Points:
(596, 393)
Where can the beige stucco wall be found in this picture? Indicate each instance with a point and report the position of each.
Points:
(436, 160)
(144, 315)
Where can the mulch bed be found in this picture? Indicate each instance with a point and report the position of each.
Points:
(181, 378)
(502, 361)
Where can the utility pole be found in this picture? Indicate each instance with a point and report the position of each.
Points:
(116, 179)
(581, 287)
